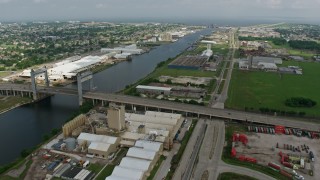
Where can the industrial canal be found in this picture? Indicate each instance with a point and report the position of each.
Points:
(25, 126)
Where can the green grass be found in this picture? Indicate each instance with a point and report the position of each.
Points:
(302, 53)
(156, 167)
(226, 156)
(4, 73)
(24, 172)
(96, 168)
(10, 101)
(221, 86)
(234, 176)
(107, 171)
(270, 90)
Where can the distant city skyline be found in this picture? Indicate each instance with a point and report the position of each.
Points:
(268, 10)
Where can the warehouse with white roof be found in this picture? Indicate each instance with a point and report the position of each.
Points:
(139, 161)
(99, 145)
(163, 125)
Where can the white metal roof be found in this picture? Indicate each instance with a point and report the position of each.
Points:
(134, 163)
(268, 65)
(112, 177)
(151, 119)
(153, 88)
(74, 66)
(127, 173)
(132, 135)
(162, 114)
(149, 145)
(99, 146)
(97, 138)
(141, 153)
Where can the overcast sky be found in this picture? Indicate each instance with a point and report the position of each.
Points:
(21, 10)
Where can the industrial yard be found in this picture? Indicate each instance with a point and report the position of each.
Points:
(189, 78)
(291, 152)
(107, 142)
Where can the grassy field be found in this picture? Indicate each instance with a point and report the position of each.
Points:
(10, 101)
(107, 171)
(270, 90)
(233, 176)
(22, 175)
(96, 168)
(294, 52)
(4, 73)
(156, 167)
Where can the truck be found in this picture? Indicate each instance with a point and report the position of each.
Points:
(86, 164)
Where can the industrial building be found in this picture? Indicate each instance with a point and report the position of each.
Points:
(166, 37)
(116, 117)
(290, 70)
(259, 62)
(77, 173)
(208, 52)
(73, 127)
(153, 90)
(189, 62)
(132, 49)
(100, 146)
(139, 161)
(156, 126)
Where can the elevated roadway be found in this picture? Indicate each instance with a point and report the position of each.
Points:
(168, 105)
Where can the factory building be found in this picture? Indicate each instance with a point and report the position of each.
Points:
(99, 145)
(155, 126)
(132, 49)
(72, 127)
(189, 62)
(259, 62)
(166, 37)
(116, 117)
(208, 52)
(139, 161)
(153, 90)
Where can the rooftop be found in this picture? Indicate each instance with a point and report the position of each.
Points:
(153, 88)
(134, 163)
(141, 153)
(97, 138)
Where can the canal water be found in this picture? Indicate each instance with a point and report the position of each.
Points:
(25, 126)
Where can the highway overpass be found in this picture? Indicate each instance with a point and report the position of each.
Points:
(186, 109)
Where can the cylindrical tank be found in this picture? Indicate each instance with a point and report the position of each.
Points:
(70, 144)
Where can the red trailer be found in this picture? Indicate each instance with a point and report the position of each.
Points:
(274, 166)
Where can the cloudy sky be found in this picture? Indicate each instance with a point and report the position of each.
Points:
(21, 10)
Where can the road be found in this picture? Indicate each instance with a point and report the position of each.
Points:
(166, 164)
(214, 142)
(208, 112)
(185, 159)
(218, 100)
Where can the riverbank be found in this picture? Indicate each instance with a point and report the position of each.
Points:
(8, 103)
(35, 120)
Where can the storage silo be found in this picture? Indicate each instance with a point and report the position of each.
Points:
(70, 144)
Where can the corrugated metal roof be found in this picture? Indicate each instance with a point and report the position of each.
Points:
(153, 88)
(151, 119)
(112, 177)
(127, 173)
(149, 145)
(141, 153)
(99, 146)
(134, 163)
(97, 138)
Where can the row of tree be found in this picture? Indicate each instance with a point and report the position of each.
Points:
(300, 102)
